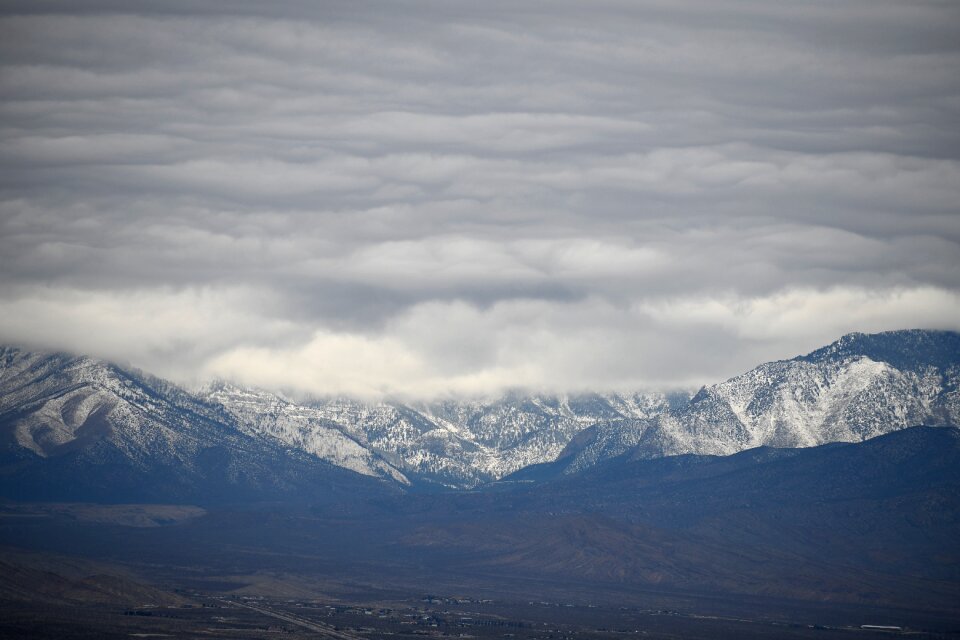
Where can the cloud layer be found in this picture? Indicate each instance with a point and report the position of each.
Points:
(424, 198)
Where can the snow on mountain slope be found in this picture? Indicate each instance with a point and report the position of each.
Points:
(81, 428)
(859, 387)
(53, 403)
(465, 443)
(261, 413)
(855, 389)
(451, 443)
(599, 442)
(410, 441)
(534, 429)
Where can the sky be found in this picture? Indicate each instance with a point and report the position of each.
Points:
(427, 199)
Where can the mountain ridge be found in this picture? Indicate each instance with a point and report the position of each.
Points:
(71, 411)
(835, 393)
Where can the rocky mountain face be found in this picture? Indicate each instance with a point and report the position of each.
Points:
(117, 430)
(59, 411)
(260, 414)
(455, 444)
(857, 388)
(78, 428)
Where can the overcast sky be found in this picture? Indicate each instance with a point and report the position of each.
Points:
(423, 198)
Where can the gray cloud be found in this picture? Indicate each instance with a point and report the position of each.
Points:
(433, 197)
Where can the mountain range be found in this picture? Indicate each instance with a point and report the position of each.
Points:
(74, 426)
(857, 388)
(795, 500)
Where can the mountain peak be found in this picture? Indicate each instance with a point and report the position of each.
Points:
(906, 349)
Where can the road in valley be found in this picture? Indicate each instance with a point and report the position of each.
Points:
(323, 629)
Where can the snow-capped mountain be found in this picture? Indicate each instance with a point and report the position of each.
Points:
(472, 442)
(81, 428)
(61, 414)
(859, 387)
(456, 444)
(54, 403)
(263, 414)
(57, 408)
